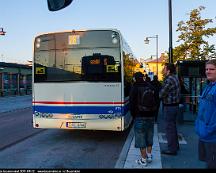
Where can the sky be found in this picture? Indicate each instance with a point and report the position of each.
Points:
(23, 20)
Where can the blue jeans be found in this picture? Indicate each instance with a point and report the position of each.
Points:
(144, 132)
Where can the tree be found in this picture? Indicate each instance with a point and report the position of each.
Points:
(192, 34)
(129, 67)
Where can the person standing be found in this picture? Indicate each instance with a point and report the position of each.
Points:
(183, 92)
(155, 83)
(147, 78)
(143, 115)
(170, 96)
(205, 124)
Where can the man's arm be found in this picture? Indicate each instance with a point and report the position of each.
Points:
(165, 89)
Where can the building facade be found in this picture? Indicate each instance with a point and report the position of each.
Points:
(15, 79)
(154, 66)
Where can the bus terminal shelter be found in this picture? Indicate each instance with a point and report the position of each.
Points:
(192, 75)
(15, 79)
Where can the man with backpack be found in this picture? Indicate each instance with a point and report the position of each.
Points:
(142, 107)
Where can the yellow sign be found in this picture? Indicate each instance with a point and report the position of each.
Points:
(73, 39)
(111, 68)
(95, 61)
(40, 70)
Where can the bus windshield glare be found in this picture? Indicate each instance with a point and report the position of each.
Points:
(77, 56)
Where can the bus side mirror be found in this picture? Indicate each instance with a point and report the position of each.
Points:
(55, 5)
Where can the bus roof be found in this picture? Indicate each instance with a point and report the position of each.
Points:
(80, 30)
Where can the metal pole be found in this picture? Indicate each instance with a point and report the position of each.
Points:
(2, 32)
(170, 32)
(157, 52)
(146, 42)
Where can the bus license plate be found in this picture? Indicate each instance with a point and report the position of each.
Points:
(76, 125)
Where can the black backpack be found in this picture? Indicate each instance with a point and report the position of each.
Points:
(146, 99)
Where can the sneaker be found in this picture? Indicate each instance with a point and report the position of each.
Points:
(142, 161)
(149, 158)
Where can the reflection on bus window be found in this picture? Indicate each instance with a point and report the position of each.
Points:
(100, 68)
(62, 57)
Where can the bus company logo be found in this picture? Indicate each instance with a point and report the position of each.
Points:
(118, 108)
(43, 115)
(110, 111)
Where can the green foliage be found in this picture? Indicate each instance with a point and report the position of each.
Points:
(192, 33)
(129, 67)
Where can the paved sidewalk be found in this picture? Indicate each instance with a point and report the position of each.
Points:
(187, 156)
(12, 103)
(134, 153)
(129, 153)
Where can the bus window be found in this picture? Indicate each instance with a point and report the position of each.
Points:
(64, 55)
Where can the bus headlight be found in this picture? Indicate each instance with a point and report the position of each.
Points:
(37, 45)
(43, 115)
(109, 116)
(114, 40)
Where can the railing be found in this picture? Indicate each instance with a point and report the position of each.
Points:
(10, 92)
(188, 109)
(192, 101)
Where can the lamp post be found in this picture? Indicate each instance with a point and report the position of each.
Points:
(170, 32)
(147, 42)
(2, 32)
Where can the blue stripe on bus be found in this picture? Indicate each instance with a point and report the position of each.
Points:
(81, 109)
(126, 108)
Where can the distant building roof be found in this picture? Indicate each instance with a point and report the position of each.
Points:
(160, 60)
(15, 65)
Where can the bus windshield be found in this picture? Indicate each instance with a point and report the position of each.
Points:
(77, 56)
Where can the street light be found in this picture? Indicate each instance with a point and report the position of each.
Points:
(147, 42)
(170, 32)
(2, 32)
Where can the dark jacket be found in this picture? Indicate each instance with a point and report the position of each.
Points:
(157, 85)
(135, 90)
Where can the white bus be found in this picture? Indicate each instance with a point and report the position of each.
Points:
(81, 80)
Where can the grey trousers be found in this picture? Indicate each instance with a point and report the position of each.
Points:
(207, 153)
(170, 115)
